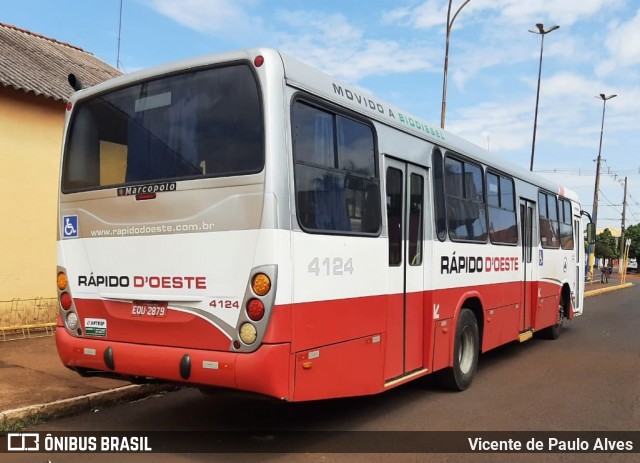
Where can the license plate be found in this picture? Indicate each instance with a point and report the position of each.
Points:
(149, 309)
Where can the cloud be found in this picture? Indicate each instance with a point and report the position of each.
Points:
(325, 40)
(623, 43)
(330, 42)
(565, 12)
(213, 17)
(433, 13)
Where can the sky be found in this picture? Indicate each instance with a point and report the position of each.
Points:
(395, 50)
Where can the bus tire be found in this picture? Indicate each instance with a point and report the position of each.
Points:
(553, 332)
(466, 350)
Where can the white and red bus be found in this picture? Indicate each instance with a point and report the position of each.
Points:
(245, 221)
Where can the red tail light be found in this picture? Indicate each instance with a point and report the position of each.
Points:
(255, 310)
(65, 301)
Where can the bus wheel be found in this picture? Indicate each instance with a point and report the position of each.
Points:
(553, 332)
(465, 354)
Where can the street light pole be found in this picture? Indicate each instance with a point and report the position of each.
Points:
(446, 59)
(594, 214)
(541, 30)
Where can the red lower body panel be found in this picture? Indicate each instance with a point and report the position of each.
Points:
(318, 350)
(265, 371)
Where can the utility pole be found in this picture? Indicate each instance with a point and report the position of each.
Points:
(594, 215)
(624, 210)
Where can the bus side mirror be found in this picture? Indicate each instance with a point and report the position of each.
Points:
(591, 233)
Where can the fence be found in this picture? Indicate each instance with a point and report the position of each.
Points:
(27, 318)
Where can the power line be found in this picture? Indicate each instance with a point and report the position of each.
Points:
(627, 171)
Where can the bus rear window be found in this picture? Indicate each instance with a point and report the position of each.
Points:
(205, 123)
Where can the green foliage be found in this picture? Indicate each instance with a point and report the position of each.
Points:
(606, 245)
(633, 232)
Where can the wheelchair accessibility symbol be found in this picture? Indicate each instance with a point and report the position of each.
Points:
(70, 226)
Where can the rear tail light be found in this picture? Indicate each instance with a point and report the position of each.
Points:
(255, 309)
(248, 333)
(62, 281)
(66, 301)
(67, 315)
(72, 321)
(65, 297)
(261, 284)
(257, 305)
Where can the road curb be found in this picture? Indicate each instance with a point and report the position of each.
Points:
(74, 405)
(595, 292)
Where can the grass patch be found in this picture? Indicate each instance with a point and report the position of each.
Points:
(21, 423)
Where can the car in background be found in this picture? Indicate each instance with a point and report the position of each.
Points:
(632, 265)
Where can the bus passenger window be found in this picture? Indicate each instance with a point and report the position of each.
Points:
(466, 216)
(440, 213)
(549, 227)
(566, 225)
(337, 189)
(503, 228)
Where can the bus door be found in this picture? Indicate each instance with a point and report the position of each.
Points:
(528, 233)
(405, 199)
(578, 247)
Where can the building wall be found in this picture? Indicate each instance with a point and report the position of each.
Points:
(30, 139)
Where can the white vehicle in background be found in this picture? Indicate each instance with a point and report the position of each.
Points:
(632, 265)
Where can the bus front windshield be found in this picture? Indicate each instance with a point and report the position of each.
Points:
(203, 123)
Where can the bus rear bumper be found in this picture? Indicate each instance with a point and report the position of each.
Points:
(265, 371)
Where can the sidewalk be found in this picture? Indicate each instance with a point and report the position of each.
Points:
(596, 287)
(33, 381)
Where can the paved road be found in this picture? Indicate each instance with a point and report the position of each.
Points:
(588, 380)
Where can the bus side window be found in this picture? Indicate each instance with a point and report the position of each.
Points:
(549, 224)
(466, 213)
(336, 180)
(440, 213)
(566, 227)
(394, 215)
(415, 219)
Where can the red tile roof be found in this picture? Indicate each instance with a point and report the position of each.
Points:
(38, 64)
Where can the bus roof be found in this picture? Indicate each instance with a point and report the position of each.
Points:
(312, 80)
(316, 82)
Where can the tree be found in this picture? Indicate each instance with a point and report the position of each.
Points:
(633, 233)
(606, 245)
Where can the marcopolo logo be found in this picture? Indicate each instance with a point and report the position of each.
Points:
(144, 189)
